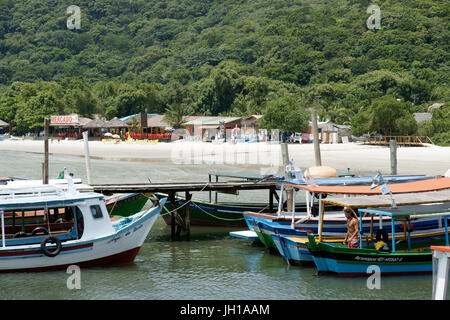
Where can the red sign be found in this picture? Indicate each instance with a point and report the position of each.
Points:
(64, 119)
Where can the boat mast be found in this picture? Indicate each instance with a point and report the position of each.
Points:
(2, 213)
(280, 201)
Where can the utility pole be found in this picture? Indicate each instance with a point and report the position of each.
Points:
(45, 168)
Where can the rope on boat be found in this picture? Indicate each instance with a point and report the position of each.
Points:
(208, 213)
(219, 218)
(114, 205)
(176, 209)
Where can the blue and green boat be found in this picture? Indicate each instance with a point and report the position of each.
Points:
(409, 258)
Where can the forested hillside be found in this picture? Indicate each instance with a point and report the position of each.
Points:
(236, 57)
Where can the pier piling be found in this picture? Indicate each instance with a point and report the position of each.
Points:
(393, 147)
(187, 218)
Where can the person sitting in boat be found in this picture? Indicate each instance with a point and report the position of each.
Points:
(352, 237)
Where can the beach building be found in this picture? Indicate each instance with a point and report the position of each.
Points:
(148, 126)
(116, 126)
(67, 126)
(328, 133)
(213, 127)
(95, 127)
(4, 127)
(422, 116)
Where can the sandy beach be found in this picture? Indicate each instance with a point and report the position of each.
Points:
(360, 158)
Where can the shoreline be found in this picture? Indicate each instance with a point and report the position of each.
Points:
(360, 158)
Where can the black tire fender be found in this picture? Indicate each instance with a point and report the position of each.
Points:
(39, 230)
(46, 251)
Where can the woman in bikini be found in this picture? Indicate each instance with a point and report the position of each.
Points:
(352, 237)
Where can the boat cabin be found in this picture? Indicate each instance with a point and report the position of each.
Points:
(407, 214)
(30, 214)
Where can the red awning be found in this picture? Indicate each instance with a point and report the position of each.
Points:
(406, 187)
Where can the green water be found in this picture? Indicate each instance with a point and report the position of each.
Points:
(211, 266)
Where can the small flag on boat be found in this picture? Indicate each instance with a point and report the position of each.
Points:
(385, 189)
(60, 175)
(377, 180)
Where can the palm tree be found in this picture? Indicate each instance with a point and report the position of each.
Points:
(175, 115)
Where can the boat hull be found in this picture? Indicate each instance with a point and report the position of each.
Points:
(294, 253)
(121, 246)
(354, 262)
(266, 229)
(126, 205)
(220, 214)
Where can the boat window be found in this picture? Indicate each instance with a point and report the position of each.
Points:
(96, 212)
(32, 224)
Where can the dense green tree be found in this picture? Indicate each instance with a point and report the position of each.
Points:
(387, 116)
(285, 114)
(223, 57)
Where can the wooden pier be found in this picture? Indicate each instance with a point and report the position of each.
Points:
(405, 141)
(171, 188)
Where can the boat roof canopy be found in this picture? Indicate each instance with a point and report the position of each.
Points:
(248, 176)
(348, 181)
(385, 200)
(405, 187)
(42, 196)
(412, 211)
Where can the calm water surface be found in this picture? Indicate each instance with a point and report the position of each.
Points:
(211, 266)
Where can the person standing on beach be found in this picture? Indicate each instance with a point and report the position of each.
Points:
(351, 238)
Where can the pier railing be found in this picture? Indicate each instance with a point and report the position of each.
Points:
(409, 141)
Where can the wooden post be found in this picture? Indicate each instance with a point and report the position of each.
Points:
(271, 191)
(45, 177)
(393, 146)
(315, 129)
(215, 199)
(87, 157)
(187, 216)
(209, 179)
(172, 218)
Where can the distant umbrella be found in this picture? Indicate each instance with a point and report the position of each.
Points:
(108, 134)
(116, 136)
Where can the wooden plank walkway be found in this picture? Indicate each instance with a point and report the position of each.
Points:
(170, 188)
(226, 186)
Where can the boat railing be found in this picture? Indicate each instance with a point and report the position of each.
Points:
(31, 192)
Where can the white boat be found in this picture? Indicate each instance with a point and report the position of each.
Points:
(77, 229)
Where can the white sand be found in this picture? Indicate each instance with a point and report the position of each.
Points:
(361, 159)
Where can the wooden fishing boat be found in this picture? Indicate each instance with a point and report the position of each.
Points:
(295, 224)
(77, 229)
(292, 246)
(125, 204)
(411, 258)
